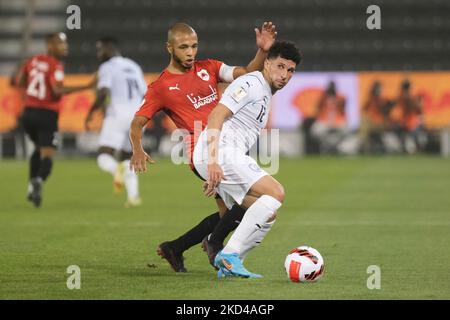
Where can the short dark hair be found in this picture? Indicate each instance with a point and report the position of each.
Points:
(109, 41)
(286, 50)
(51, 36)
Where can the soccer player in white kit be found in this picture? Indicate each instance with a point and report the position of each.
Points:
(120, 89)
(220, 155)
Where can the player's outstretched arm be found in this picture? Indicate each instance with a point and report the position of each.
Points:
(59, 89)
(139, 159)
(215, 122)
(264, 40)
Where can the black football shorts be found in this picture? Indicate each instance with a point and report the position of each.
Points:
(41, 125)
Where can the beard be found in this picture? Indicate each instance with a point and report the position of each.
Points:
(180, 62)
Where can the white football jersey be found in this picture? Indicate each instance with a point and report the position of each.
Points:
(248, 97)
(125, 81)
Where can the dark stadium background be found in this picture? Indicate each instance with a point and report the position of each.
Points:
(332, 35)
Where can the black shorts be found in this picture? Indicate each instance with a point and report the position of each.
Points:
(41, 125)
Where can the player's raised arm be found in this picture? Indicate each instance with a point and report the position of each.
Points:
(139, 159)
(57, 47)
(264, 40)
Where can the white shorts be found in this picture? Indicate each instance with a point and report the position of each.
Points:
(114, 133)
(240, 171)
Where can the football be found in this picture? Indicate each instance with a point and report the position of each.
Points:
(304, 264)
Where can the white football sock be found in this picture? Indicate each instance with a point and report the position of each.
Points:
(107, 163)
(131, 181)
(30, 188)
(255, 217)
(255, 239)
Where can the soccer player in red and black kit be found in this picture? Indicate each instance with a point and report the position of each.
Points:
(42, 78)
(187, 91)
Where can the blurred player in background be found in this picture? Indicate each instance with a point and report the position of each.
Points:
(220, 156)
(42, 77)
(187, 91)
(330, 127)
(406, 119)
(374, 118)
(120, 88)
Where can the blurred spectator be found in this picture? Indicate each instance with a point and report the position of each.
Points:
(330, 127)
(406, 120)
(374, 120)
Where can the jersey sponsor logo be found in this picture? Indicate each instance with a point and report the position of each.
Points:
(203, 74)
(198, 101)
(174, 88)
(238, 94)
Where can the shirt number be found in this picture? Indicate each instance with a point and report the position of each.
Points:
(132, 86)
(262, 113)
(36, 87)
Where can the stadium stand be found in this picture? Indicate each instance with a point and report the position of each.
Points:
(330, 35)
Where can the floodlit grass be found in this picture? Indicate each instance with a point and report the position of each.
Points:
(389, 212)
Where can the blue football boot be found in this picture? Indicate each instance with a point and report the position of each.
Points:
(231, 265)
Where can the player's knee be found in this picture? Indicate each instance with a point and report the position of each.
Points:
(278, 192)
(100, 160)
(46, 152)
(106, 162)
(221, 206)
(124, 155)
(272, 204)
(106, 150)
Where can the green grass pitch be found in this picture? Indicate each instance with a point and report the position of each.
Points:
(390, 212)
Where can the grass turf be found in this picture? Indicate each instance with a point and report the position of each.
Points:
(390, 212)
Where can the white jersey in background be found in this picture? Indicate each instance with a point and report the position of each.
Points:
(126, 84)
(125, 81)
